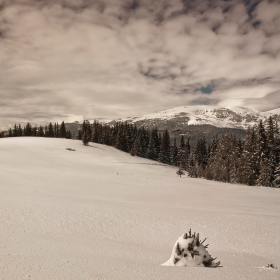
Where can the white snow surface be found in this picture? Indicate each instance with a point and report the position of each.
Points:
(98, 213)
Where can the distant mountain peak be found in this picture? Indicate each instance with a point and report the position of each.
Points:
(178, 117)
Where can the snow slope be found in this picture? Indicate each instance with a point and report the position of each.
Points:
(98, 213)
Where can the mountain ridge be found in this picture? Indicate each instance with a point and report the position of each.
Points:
(231, 117)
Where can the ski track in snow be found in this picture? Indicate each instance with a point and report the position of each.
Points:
(98, 213)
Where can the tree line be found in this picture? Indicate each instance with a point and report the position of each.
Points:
(252, 161)
(51, 130)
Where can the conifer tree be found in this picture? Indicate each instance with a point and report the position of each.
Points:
(138, 148)
(152, 146)
(262, 145)
(68, 134)
(120, 143)
(46, 131)
(192, 166)
(50, 130)
(34, 131)
(28, 130)
(200, 156)
(223, 163)
(41, 131)
(62, 130)
(15, 131)
(248, 169)
(181, 154)
(174, 153)
(265, 177)
(10, 133)
(86, 132)
(270, 134)
(165, 155)
(80, 134)
(276, 182)
(20, 131)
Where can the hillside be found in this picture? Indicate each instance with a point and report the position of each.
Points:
(98, 213)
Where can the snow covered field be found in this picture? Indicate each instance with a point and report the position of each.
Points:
(98, 213)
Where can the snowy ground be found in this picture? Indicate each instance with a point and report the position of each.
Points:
(98, 213)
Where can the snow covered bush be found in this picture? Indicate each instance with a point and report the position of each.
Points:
(190, 251)
(180, 172)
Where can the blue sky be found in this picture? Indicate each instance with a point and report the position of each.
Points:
(74, 59)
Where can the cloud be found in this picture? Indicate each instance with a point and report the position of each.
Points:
(73, 59)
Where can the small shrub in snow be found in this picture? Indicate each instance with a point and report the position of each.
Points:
(271, 265)
(180, 173)
(190, 251)
(69, 149)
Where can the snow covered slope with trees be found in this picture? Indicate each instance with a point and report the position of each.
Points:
(98, 213)
(178, 117)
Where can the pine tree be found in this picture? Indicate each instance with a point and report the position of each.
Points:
(46, 130)
(41, 131)
(165, 155)
(174, 153)
(139, 148)
(86, 132)
(10, 133)
(28, 130)
(68, 134)
(270, 134)
(248, 168)
(20, 131)
(15, 131)
(152, 146)
(265, 177)
(276, 182)
(62, 130)
(80, 134)
(181, 154)
(50, 130)
(34, 131)
(262, 145)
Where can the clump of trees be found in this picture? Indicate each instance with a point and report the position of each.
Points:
(252, 161)
(51, 130)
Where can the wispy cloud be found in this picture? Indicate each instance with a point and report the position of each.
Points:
(68, 59)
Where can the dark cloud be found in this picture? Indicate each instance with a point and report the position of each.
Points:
(113, 58)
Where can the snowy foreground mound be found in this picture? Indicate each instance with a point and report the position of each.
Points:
(98, 213)
(190, 251)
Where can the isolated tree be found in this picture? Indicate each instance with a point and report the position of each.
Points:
(180, 172)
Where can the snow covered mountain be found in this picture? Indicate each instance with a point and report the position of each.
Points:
(178, 117)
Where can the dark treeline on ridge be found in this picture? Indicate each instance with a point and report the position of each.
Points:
(51, 130)
(253, 161)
